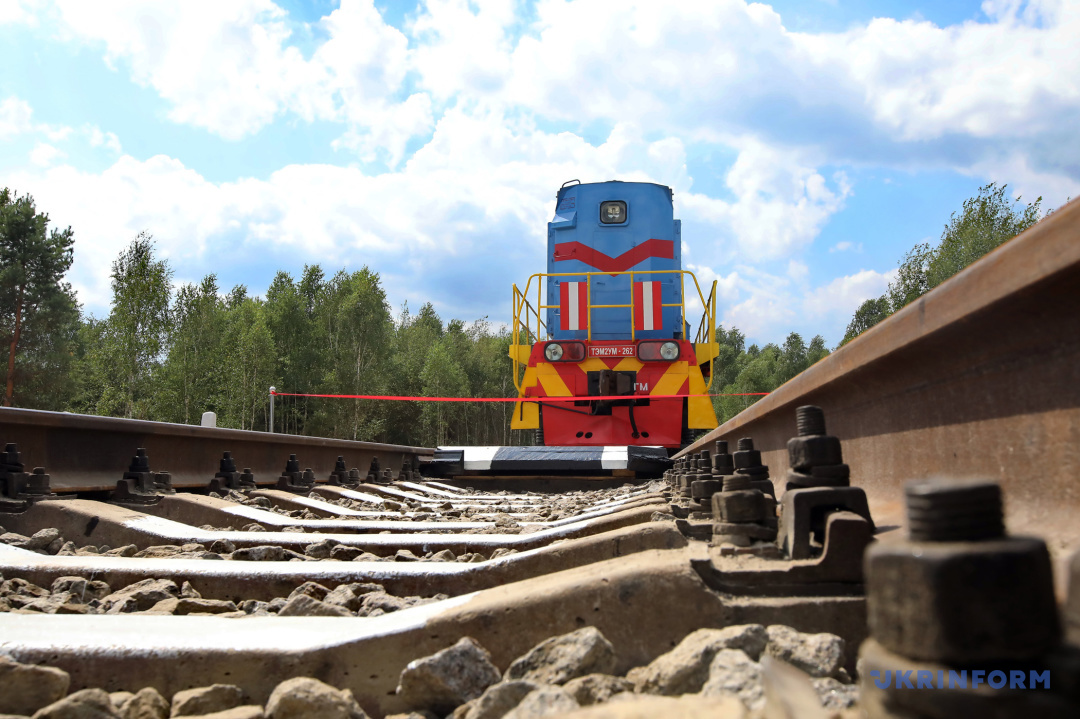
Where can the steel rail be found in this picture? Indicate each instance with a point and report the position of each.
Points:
(88, 453)
(980, 377)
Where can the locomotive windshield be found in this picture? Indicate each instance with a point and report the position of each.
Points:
(613, 213)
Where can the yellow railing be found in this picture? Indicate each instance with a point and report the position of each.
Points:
(524, 332)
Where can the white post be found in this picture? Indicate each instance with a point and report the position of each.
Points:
(209, 419)
(272, 390)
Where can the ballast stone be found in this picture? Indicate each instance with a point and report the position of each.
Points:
(247, 711)
(819, 655)
(644, 706)
(262, 553)
(147, 703)
(597, 688)
(119, 699)
(191, 605)
(499, 699)
(85, 704)
(565, 657)
(547, 701)
(25, 688)
(140, 596)
(732, 673)
(685, 669)
(82, 588)
(304, 697)
(206, 700)
(43, 538)
(302, 605)
(834, 694)
(442, 681)
(311, 589)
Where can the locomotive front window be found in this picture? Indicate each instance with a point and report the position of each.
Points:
(613, 213)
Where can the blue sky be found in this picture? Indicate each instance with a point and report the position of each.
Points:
(810, 143)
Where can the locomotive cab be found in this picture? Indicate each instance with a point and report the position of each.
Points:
(599, 346)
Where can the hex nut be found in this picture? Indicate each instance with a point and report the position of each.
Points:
(747, 458)
(702, 489)
(746, 505)
(814, 451)
(962, 601)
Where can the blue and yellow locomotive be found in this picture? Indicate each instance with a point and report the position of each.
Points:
(607, 324)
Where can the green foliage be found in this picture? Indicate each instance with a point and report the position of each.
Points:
(170, 355)
(870, 312)
(191, 378)
(738, 371)
(248, 351)
(986, 221)
(128, 357)
(38, 312)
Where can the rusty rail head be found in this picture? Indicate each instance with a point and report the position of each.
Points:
(87, 453)
(978, 377)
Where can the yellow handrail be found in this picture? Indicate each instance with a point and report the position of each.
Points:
(706, 332)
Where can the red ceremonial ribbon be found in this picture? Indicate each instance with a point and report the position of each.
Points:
(515, 399)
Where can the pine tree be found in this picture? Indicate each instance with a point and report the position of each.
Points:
(38, 311)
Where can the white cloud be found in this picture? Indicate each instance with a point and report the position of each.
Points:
(996, 99)
(781, 202)
(471, 203)
(895, 92)
(1029, 182)
(843, 295)
(229, 67)
(995, 79)
(17, 11)
(104, 139)
(798, 271)
(45, 154)
(463, 46)
(899, 93)
(767, 306)
(15, 117)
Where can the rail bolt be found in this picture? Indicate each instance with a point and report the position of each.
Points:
(960, 590)
(722, 462)
(746, 456)
(747, 505)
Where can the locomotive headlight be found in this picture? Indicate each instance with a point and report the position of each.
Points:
(613, 213)
(658, 351)
(553, 352)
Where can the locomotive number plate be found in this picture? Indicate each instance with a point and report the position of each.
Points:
(612, 351)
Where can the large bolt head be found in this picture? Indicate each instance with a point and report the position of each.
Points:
(813, 451)
(723, 464)
(747, 458)
(962, 601)
(746, 505)
(890, 687)
(702, 489)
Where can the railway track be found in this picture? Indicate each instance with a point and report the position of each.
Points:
(671, 596)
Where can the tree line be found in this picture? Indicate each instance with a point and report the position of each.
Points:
(170, 354)
(985, 222)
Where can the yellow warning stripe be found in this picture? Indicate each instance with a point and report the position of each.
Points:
(551, 381)
(672, 380)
